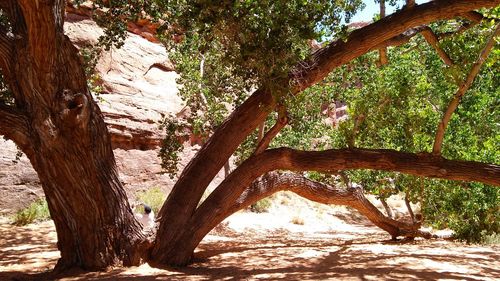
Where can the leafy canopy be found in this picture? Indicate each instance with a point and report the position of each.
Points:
(226, 49)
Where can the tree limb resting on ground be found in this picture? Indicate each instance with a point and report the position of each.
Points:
(325, 194)
(273, 182)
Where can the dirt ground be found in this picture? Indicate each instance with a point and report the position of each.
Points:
(324, 244)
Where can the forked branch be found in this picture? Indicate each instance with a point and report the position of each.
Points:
(473, 17)
(371, 37)
(438, 141)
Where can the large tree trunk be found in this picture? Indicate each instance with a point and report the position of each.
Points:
(61, 130)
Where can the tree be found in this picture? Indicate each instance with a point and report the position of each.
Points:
(49, 113)
(56, 123)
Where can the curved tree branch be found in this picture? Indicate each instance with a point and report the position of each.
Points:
(326, 194)
(474, 18)
(423, 164)
(371, 36)
(234, 188)
(438, 141)
(203, 221)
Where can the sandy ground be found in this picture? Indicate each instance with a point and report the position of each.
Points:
(319, 244)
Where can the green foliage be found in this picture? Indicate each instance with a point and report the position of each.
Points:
(491, 239)
(256, 40)
(152, 197)
(90, 56)
(261, 206)
(471, 210)
(169, 151)
(226, 49)
(36, 211)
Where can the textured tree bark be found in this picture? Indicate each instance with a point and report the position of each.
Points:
(61, 129)
(217, 206)
(273, 182)
(183, 200)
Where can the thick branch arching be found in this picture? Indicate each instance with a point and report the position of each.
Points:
(234, 188)
(342, 159)
(438, 141)
(273, 182)
(326, 194)
(426, 165)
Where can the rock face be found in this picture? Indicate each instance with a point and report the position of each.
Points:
(19, 184)
(139, 90)
(138, 84)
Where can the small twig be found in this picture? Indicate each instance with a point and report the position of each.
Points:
(386, 207)
(202, 73)
(269, 136)
(461, 91)
(357, 122)
(345, 179)
(408, 206)
(474, 17)
(262, 128)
